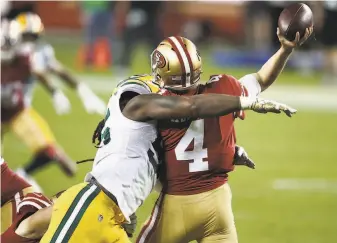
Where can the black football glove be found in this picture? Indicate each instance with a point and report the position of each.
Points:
(131, 227)
(241, 158)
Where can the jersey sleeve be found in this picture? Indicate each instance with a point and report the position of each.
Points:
(226, 84)
(9, 236)
(51, 61)
(251, 84)
(43, 59)
(239, 90)
(32, 202)
(38, 62)
(11, 183)
(132, 86)
(229, 85)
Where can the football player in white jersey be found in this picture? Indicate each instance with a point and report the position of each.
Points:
(127, 160)
(43, 63)
(17, 114)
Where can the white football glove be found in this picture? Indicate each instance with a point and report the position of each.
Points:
(61, 103)
(92, 103)
(264, 106)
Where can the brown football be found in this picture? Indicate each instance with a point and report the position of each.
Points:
(295, 18)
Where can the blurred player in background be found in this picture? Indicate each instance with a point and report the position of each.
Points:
(17, 114)
(11, 9)
(141, 21)
(98, 22)
(44, 62)
(195, 203)
(19, 202)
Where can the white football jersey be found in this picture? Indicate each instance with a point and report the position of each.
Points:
(42, 56)
(42, 60)
(127, 161)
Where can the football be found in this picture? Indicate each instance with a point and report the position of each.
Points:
(295, 18)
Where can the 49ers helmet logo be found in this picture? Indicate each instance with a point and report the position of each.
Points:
(158, 59)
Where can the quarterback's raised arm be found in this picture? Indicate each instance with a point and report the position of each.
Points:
(157, 107)
(274, 66)
(36, 225)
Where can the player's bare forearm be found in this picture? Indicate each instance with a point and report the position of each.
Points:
(36, 225)
(273, 67)
(211, 105)
(157, 107)
(68, 78)
(46, 83)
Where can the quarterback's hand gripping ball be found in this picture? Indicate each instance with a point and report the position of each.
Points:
(295, 25)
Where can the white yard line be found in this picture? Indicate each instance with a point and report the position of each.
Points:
(305, 185)
(305, 97)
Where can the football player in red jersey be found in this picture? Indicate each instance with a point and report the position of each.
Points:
(19, 203)
(195, 203)
(16, 113)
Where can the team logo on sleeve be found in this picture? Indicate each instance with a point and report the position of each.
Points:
(158, 59)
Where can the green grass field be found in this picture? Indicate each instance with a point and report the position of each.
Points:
(303, 147)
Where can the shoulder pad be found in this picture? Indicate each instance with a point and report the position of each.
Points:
(216, 78)
(33, 201)
(141, 84)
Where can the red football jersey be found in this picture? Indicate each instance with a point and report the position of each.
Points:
(199, 153)
(18, 201)
(15, 77)
(11, 183)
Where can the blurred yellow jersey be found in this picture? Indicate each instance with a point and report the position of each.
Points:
(144, 81)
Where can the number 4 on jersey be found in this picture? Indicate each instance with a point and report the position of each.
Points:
(194, 133)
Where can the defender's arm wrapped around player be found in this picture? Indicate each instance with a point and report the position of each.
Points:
(154, 106)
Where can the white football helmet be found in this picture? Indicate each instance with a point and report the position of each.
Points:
(30, 23)
(31, 30)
